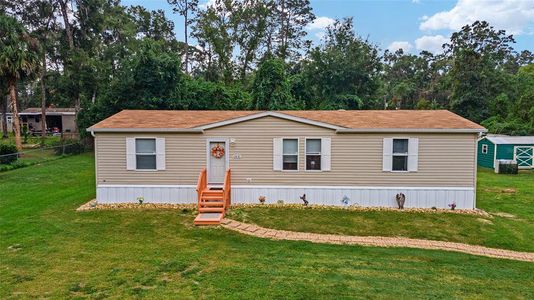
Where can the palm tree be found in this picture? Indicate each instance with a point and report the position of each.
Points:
(19, 59)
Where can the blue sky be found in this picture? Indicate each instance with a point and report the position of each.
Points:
(413, 25)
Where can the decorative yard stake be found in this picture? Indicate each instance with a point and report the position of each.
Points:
(140, 200)
(303, 198)
(261, 199)
(401, 198)
(345, 200)
(452, 205)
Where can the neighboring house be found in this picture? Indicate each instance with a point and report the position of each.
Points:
(57, 119)
(9, 122)
(334, 157)
(495, 147)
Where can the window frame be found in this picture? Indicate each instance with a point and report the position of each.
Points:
(298, 154)
(155, 154)
(404, 154)
(306, 153)
(484, 149)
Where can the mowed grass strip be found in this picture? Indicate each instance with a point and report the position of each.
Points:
(47, 249)
(508, 198)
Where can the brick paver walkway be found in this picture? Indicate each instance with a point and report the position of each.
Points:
(376, 241)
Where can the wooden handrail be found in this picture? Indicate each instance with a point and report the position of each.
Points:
(202, 184)
(227, 188)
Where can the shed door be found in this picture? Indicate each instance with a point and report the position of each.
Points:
(217, 157)
(524, 155)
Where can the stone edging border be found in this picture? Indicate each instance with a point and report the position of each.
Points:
(374, 241)
(93, 205)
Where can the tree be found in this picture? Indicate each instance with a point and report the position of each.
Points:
(289, 19)
(344, 72)
(185, 8)
(251, 30)
(215, 31)
(271, 89)
(477, 54)
(19, 59)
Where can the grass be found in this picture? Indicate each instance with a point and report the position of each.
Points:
(497, 194)
(49, 250)
(33, 141)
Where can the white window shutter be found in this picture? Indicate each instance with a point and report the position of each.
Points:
(160, 153)
(413, 154)
(387, 153)
(277, 154)
(326, 154)
(130, 154)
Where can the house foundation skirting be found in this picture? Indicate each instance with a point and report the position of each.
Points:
(416, 197)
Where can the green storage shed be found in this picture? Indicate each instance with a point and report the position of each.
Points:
(518, 148)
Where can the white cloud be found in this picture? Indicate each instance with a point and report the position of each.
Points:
(515, 16)
(396, 45)
(320, 23)
(431, 43)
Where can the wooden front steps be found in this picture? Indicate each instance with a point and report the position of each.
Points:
(212, 202)
(210, 207)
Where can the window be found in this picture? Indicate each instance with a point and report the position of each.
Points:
(484, 149)
(145, 154)
(400, 155)
(313, 154)
(290, 154)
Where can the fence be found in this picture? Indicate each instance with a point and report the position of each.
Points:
(37, 155)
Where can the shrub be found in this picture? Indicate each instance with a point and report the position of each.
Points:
(8, 153)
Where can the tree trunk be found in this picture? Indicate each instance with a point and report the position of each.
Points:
(43, 101)
(4, 116)
(186, 39)
(64, 13)
(12, 85)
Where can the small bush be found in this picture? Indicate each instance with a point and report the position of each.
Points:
(8, 153)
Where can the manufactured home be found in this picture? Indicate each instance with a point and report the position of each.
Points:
(493, 148)
(339, 157)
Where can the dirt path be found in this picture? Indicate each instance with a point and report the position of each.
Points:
(376, 241)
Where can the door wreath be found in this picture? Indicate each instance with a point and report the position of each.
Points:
(217, 151)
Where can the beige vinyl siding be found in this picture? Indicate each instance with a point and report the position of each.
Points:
(444, 159)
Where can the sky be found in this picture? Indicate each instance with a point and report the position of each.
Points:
(413, 25)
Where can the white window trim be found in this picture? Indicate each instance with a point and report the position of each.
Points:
(484, 149)
(155, 153)
(306, 154)
(298, 154)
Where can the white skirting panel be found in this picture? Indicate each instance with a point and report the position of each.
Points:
(420, 197)
(179, 194)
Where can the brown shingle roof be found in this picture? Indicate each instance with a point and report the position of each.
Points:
(349, 119)
(168, 118)
(383, 119)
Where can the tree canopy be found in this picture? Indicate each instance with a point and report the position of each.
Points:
(101, 56)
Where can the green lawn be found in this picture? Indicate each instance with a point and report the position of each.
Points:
(49, 250)
(509, 194)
